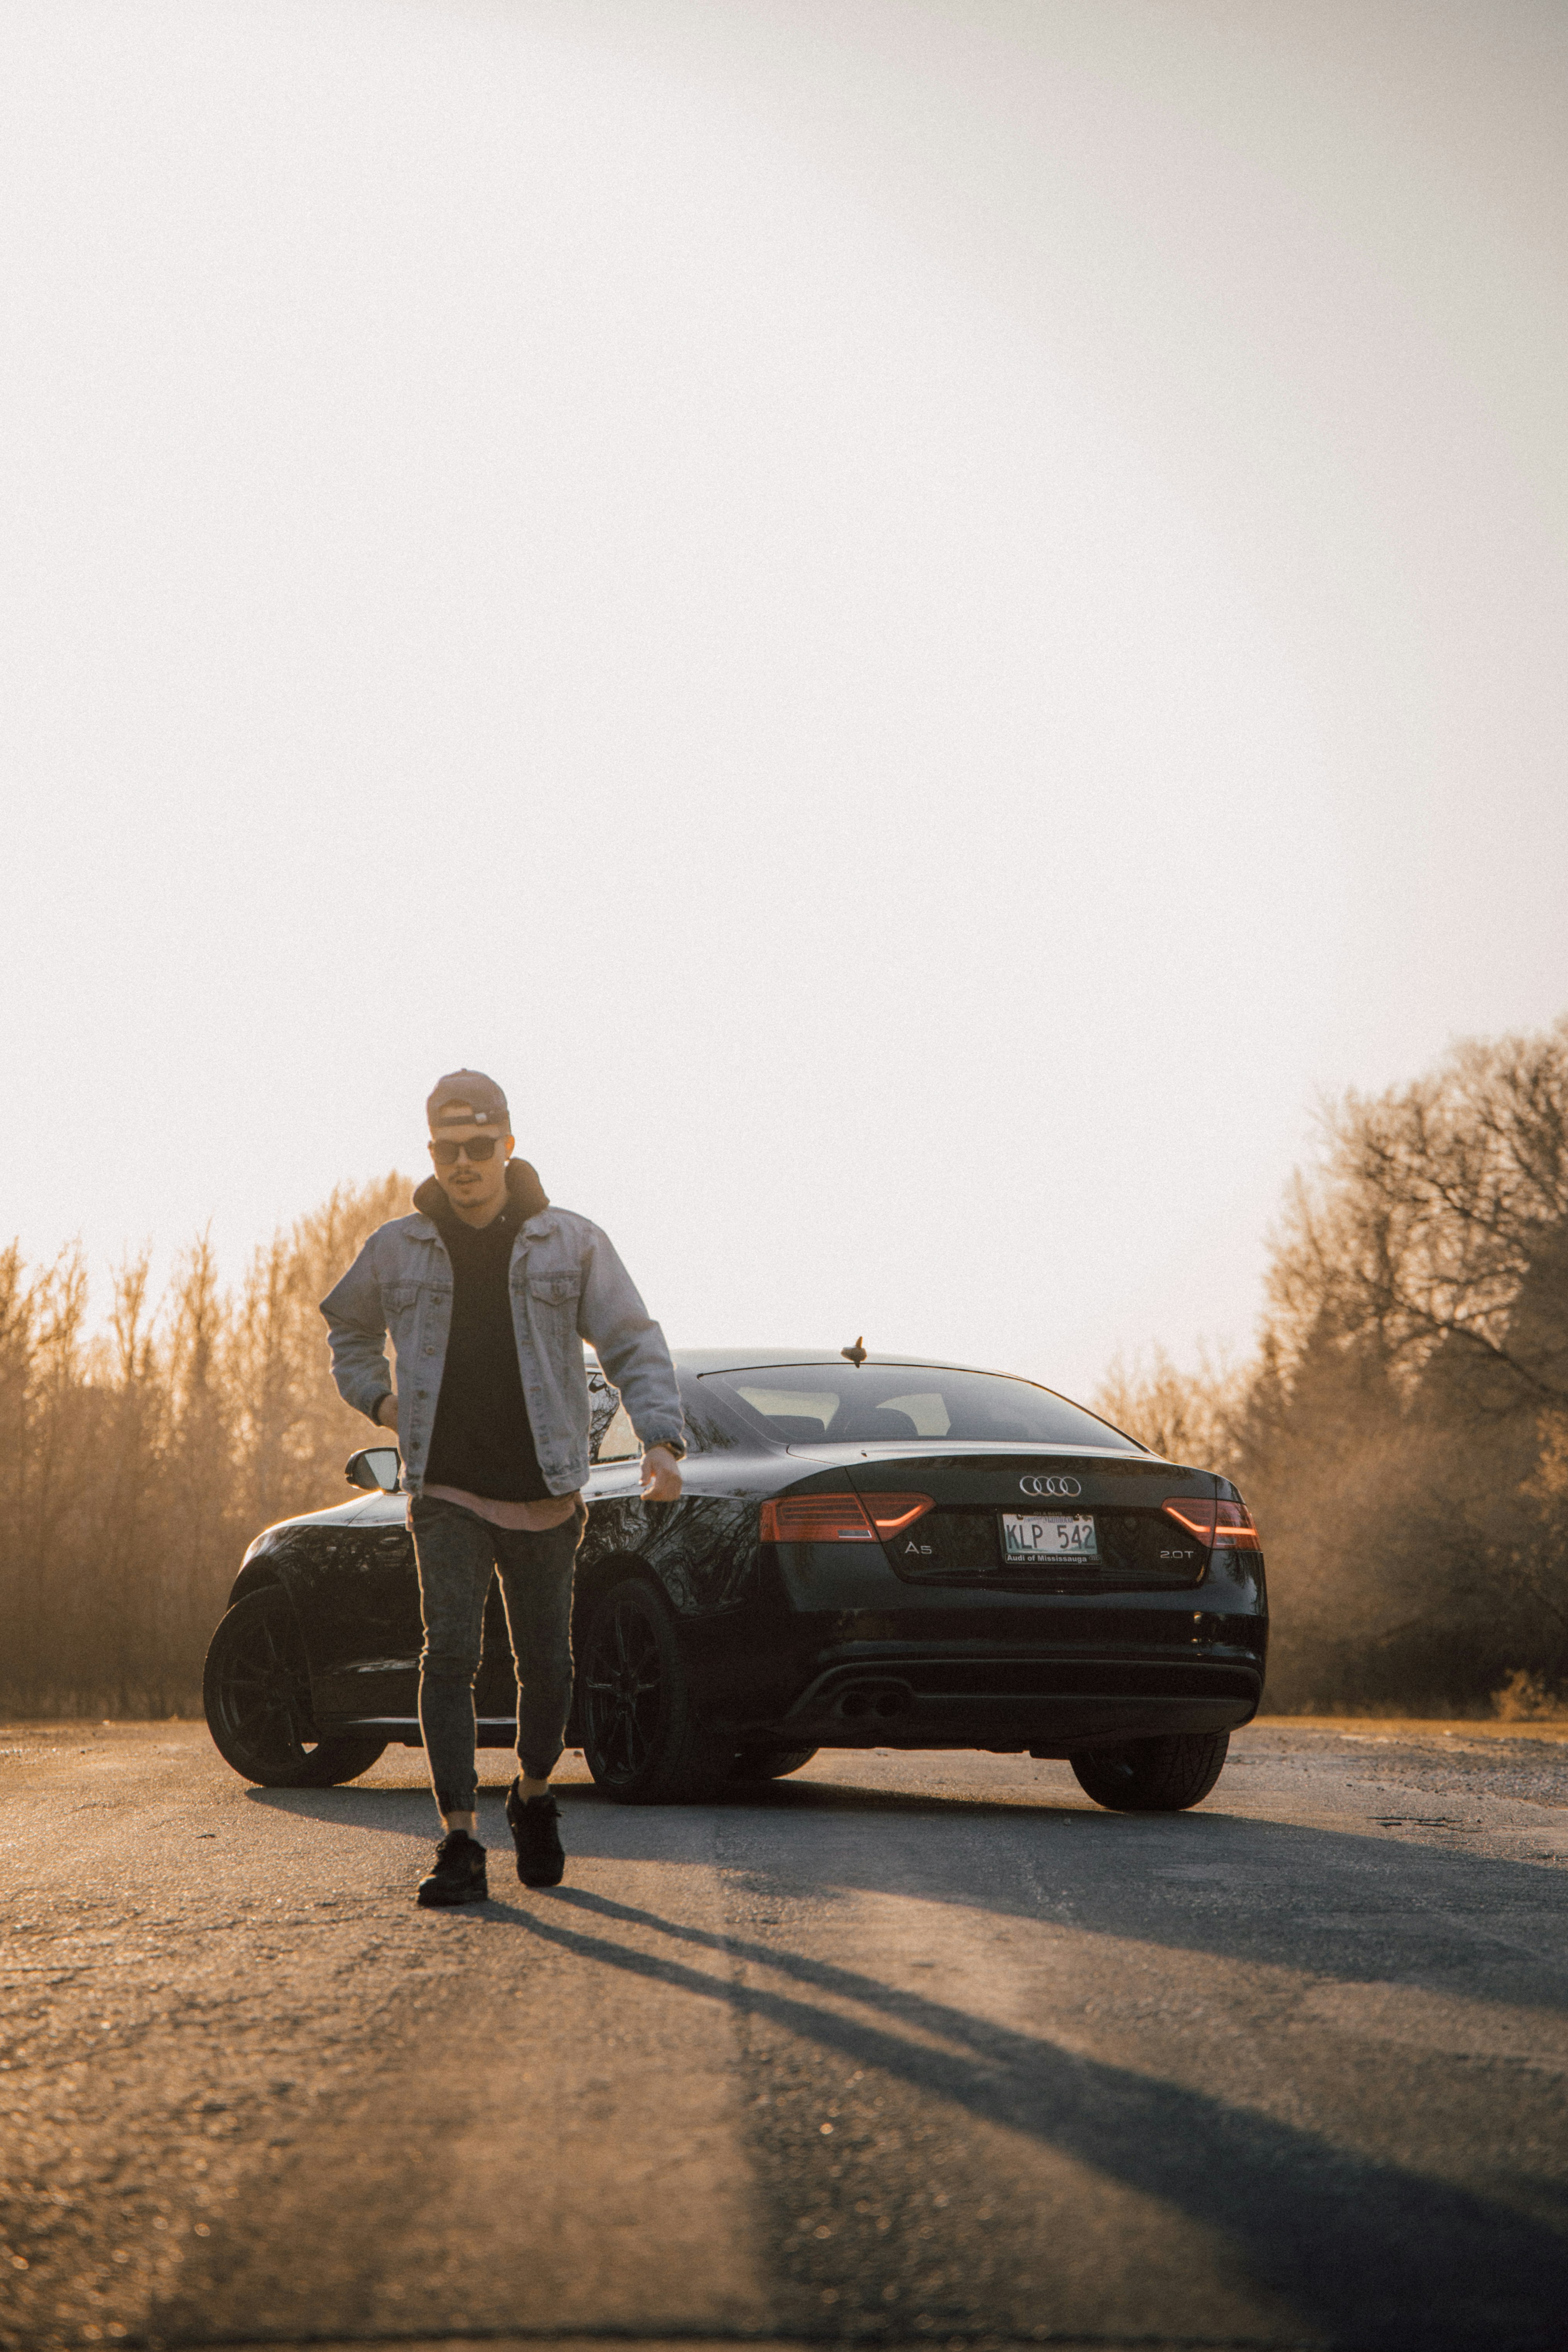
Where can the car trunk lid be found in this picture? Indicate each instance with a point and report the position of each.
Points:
(1081, 1522)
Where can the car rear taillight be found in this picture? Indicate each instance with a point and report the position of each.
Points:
(891, 1514)
(1218, 1525)
(839, 1519)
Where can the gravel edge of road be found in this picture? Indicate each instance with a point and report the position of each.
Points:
(975, 2341)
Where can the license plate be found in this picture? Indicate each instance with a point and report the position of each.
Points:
(1035, 1536)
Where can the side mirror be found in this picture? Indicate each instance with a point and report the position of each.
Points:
(375, 1467)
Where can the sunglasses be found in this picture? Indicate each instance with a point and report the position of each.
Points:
(476, 1147)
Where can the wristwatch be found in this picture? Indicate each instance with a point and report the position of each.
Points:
(675, 1445)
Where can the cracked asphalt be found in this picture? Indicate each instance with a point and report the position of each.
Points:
(902, 2050)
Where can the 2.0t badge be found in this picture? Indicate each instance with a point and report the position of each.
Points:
(1049, 1487)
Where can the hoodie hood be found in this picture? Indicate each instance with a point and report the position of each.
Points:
(524, 1193)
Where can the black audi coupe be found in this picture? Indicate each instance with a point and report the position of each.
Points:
(871, 1551)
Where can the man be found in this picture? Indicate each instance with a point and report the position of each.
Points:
(489, 1294)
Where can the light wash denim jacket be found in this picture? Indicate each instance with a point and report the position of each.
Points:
(567, 1286)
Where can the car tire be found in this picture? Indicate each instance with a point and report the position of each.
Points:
(1153, 1776)
(256, 1689)
(641, 1737)
(769, 1763)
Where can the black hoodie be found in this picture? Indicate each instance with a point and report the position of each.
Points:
(483, 1440)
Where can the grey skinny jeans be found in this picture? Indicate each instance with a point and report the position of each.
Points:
(458, 1553)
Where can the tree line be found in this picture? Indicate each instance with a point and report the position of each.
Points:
(1401, 1432)
(139, 1457)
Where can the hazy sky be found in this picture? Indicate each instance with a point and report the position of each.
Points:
(916, 622)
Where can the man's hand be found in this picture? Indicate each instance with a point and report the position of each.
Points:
(660, 1476)
(386, 1413)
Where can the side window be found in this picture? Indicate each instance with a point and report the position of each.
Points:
(602, 1403)
(613, 1438)
(619, 1441)
(705, 1432)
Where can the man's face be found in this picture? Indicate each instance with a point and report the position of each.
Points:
(475, 1187)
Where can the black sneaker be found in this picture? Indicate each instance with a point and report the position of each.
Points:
(459, 1876)
(535, 1826)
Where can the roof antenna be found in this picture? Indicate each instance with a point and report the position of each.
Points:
(857, 1354)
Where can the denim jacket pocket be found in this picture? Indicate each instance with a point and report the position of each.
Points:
(557, 1289)
(400, 1305)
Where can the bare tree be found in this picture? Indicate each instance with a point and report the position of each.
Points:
(1187, 1416)
(1439, 1222)
(1405, 1422)
(1403, 1432)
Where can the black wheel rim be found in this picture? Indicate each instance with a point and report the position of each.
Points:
(623, 1691)
(263, 1694)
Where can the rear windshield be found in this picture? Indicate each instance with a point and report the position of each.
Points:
(820, 1404)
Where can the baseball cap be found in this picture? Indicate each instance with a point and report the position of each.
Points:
(486, 1103)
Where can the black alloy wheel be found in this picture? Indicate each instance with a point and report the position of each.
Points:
(769, 1763)
(641, 1737)
(256, 1688)
(1153, 1776)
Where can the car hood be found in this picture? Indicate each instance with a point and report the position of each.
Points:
(980, 1449)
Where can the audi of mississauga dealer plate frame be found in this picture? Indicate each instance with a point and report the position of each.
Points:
(871, 1551)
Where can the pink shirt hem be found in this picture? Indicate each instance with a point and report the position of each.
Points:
(534, 1516)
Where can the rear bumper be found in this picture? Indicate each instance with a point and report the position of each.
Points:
(1052, 1706)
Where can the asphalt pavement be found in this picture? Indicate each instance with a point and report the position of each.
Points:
(905, 2050)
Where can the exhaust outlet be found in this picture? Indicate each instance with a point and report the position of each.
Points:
(878, 1700)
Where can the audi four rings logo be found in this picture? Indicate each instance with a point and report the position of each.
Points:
(1050, 1486)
